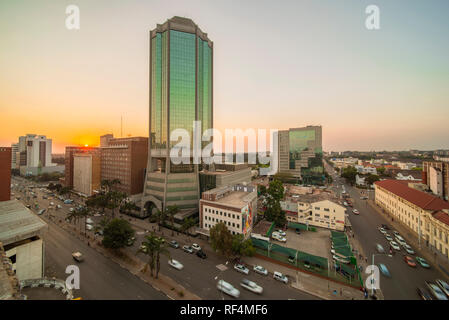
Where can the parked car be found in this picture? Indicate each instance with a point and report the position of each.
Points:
(423, 262)
(89, 221)
(291, 259)
(228, 288)
(130, 241)
(386, 227)
(395, 245)
(77, 256)
(41, 211)
(401, 241)
(444, 286)
(280, 277)
(187, 249)
(396, 233)
(410, 261)
(201, 254)
(356, 212)
(382, 230)
(260, 270)
(436, 291)
(241, 268)
(409, 249)
(174, 244)
(196, 247)
(340, 259)
(388, 237)
(379, 248)
(175, 264)
(251, 286)
(297, 231)
(282, 233)
(58, 206)
(423, 294)
(144, 248)
(52, 203)
(89, 227)
(384, 270)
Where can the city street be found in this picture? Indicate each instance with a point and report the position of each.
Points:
(198, 276)
(404, 280)
(100, 278)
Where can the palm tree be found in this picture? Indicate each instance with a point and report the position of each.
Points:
(161, 216)
(187, 225)
(171, 211)
(148, 249)
(154, 247)
(160, 247)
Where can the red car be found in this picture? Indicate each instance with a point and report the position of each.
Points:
(410, 261)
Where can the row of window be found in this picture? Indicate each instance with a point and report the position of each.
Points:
(211, 225)
(228, 223)
(222, 213)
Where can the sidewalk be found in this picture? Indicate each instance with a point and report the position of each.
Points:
(440, 261)
(316, 286)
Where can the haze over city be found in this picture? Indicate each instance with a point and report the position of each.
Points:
(286, 65)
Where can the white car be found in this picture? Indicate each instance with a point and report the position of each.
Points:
(241, 268)
(395, 245)
(251, 286)
(401, 242)
(282, 233)
(280, 277)
(175, 264)
(196, 247)
(355, 211)
(408, 249)
(260, 270)
(388, 237)
(52, 203)
(228, 288)
(89, 221)
(382, 230)
(339, 259)
(89, 227)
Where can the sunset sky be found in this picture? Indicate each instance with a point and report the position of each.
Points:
(277, 64)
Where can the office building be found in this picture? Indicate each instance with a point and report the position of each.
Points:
(70, 151)
(181, 86)
(14, 151)
(235, 206)
(87, 172)
(224, 174)
(5, 173)
(124, 159)
(21, 236)
(435, 174)
(425, 215)
(35, 155)
(300, 154)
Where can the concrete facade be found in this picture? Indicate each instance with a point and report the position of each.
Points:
(86, 173)
(425, 215)
(235, 206)
(70, 151)
(35, 153)
(441, 166)
(124, 159)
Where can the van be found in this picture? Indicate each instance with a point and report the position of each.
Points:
(280, 277)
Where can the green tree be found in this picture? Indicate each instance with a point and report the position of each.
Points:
(117, 233)
(187, 225)
(242, 247)
(161, 216)
(171, 212)
(262, 190)
(381, 171)
(275, 194)
(221, 239)
(154, 248)
(349, 174)
(371, 178)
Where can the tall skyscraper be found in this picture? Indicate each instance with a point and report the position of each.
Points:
(181, 69)
(300, 154)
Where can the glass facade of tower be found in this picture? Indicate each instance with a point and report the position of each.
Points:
(181, 85)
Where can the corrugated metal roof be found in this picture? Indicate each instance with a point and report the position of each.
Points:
(17, 222)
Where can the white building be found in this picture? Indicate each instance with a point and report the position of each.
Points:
(360, 181)
(436, 181)
(21, 236)
(323, 213)
(365, 170)
(235, 206)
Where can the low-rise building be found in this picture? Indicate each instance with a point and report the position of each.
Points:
(235, 206)
(5, 173)
(21, 235)
(426, 215)
(319, 210)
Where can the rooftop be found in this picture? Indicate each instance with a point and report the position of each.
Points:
(419, 198)
(17, 222)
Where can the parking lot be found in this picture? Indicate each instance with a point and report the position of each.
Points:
(316, 243)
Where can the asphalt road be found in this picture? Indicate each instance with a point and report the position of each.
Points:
(100, 278)
(404, 279)
(198, 276)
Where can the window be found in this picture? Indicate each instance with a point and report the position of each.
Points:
(326, 209)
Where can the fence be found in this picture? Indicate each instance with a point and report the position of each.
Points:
(305, 261)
